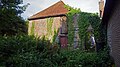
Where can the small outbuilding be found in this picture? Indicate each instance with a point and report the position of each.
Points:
(50, 23)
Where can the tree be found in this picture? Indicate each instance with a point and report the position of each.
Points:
(11, 23)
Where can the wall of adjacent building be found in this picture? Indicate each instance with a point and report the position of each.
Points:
(113, 34)
(101, 8)
(41, 26)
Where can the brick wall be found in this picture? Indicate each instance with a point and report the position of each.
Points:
(113, 34)
(40, 28)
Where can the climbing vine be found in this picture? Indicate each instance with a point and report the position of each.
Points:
(85, 19)
(70, 15)
(55, 34)
(49, 28)
(49, 25)
(32, 29)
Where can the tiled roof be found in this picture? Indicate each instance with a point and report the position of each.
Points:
(54, 10)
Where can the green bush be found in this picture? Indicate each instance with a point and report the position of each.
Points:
(21, 50)
(27, 51)
(78, 58)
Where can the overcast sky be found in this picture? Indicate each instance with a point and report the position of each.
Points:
(35, 6)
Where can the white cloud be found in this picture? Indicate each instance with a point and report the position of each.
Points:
(84, 5)
(38, 5)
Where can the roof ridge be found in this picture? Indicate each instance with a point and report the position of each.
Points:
(49, 7)
(55, 9)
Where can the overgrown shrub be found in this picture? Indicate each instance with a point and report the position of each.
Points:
(27, 51)
(86, 19)
(21, 50)
(78, 58)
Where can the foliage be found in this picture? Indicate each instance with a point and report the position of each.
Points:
(32, 28)
(55, 35)
(72, 10)
(78, 58)
(50, 32)
(70, 15)
(85, 19)
(11, 22)
(24, 51)
(49, 26)
(28, 51)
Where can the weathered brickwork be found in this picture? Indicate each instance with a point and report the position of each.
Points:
(113, 34)
(56, 24)
(40, 28)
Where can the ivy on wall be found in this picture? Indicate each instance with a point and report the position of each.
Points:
(49, 26)
(55, 35)
(70, 22)
(70, 29)
(85, 19)
(50, 34)
(32, 29)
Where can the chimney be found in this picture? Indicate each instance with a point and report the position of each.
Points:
(101, 8)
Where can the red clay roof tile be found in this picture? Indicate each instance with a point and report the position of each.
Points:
(54, 10)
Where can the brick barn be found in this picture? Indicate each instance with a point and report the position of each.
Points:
(111, 24)
(50, 22)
